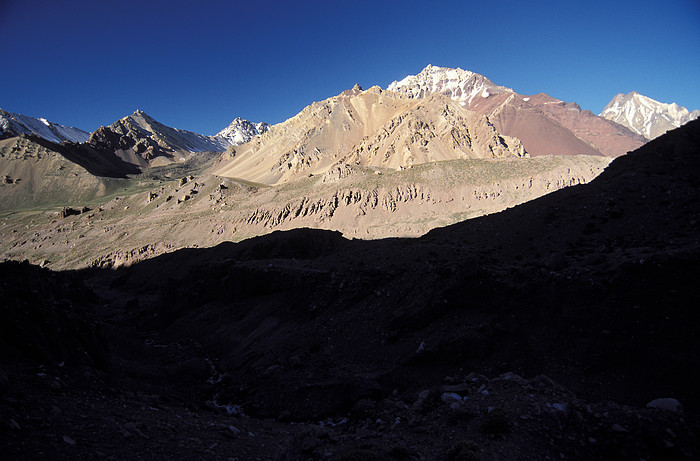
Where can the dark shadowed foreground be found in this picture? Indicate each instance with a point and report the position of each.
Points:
(547, 331)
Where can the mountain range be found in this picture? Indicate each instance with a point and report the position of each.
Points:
(137, 139)
(442, 270)
(545, 125)
(433, 149)
(438, 115)
(372, 128)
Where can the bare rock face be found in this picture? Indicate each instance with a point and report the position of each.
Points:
(371, 128)
(339, 172)
(133, 141)
(545, 125)
(118, 137)
(141, 140)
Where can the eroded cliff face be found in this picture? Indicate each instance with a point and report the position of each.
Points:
(413, 208)
(358, 201)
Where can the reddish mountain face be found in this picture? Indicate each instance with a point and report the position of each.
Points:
(539, 133)
(610, 138)
(545, 125)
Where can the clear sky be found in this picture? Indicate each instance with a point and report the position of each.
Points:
(197, 64)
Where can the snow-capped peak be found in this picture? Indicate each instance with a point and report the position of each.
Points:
(241, 131)
(646, 116)
(458, 84)
(141, 126)
(12, 124)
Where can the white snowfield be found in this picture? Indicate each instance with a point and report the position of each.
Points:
(16, 124)
(646, 116)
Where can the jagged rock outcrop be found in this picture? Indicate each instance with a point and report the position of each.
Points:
(240, 131)
(363, 211)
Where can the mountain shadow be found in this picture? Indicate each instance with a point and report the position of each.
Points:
(95, 161)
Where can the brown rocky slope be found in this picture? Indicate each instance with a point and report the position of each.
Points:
(372, 128)
(37, 173)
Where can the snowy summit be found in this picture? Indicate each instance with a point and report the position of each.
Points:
(457, 84)
(240, 131)
(646, 116)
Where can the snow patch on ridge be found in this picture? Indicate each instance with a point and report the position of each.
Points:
(16, 124)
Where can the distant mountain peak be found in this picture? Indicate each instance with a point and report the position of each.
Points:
(240, 131)
(141, 139)
(646, 116)
(139, 114)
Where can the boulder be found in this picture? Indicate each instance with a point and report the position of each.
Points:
(667, 404)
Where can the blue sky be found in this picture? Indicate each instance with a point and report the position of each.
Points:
(196, 65)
